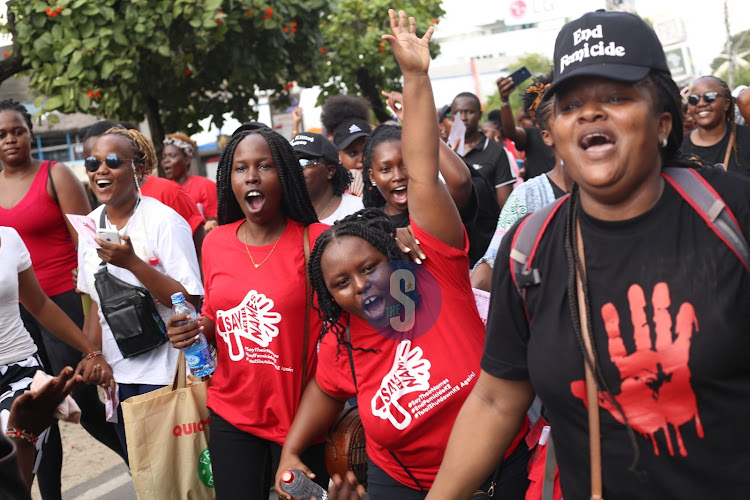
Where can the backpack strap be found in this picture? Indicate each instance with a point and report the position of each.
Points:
(525, 242)
(700, 195)
(49, 164)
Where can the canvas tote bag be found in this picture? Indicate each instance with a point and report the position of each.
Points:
(167, 432)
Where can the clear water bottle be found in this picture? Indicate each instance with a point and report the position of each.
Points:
(297, 484)
(198, 356)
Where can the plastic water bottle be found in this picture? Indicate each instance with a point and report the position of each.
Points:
(297, 484)
(198, 356)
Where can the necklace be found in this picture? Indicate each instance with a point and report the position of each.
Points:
(269, 253)
(326, 208)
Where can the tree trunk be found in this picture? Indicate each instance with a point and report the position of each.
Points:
(157, 130)
(13, 64)
(371, 92)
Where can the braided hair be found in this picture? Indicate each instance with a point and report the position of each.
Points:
(667, 99)
(340, 180)
(142, 147)
(382, 133)
(295, 201)
(730, 118)
(371, 225)
(13, 105)
(533, 95)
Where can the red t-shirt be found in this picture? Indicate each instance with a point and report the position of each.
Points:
(260, 317)
(410, 392)
(41, 224)
(203, 192)
(172, 195)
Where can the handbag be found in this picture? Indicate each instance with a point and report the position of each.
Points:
(129, 311)
(168, 432)
(345, 446)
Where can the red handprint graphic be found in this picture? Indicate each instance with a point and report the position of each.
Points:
(655, 388)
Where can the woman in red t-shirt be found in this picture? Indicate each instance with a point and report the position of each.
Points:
(410, 372)
(176, 158)
(254, 308)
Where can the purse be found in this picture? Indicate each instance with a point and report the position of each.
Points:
(129, 311)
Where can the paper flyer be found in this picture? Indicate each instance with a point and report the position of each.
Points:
(85, 226)
(483, 303)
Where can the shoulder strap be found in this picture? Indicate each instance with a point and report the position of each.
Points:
(725, 165)
(525, 242)
(49, 164)
(351, 355)
(712, 209)
(308, 295)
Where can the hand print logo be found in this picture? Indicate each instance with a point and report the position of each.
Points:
(655, 388)
(409, 373)
(251, 319)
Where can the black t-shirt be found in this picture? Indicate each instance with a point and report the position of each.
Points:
(540, 158)
(716, 153)
(556, 190)
(490, 159)
(685, 387)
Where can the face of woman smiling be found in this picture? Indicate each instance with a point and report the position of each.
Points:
(390, 175)
(608, 134)
(114, 187)
(709, 116)
(255, 180)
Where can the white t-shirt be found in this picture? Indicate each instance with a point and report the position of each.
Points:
(15, 342)
(155, 230)
(349, 204)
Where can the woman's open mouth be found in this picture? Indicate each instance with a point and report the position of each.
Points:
(255, 201)
(373, 307)
(399, 194)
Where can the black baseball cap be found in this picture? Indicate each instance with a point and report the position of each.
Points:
(445, 111)
(349, 131)
(315, 145)
(615, 45)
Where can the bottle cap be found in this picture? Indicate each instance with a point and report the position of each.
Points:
(153, 261)
(177, 297)
(287, 476)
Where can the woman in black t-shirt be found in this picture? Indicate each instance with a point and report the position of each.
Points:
(716, 137)
(664, 301)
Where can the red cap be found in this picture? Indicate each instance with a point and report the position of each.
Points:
(153, 261)
(287, 476)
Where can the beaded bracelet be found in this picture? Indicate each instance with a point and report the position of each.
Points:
(19, 434)
(92, 354)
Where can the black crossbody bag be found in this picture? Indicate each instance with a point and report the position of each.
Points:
(129, 311)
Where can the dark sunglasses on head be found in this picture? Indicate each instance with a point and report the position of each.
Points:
(708, 98)
(112, 161)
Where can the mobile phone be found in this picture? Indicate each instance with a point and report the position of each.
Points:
(108, 235)
(520, 75)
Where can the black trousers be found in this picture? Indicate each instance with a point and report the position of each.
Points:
(511, 480)
(244, 466)
(56, 355)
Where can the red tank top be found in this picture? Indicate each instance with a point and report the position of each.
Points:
(39, 221)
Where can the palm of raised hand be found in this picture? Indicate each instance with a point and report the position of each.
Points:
(412, 53)
(655, 388)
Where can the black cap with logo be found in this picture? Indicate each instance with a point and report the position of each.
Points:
(615, 45)
(315, 145)
(349, 131)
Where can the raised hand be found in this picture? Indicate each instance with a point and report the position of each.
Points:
(395, 101)
(412, 53)
(655, 388)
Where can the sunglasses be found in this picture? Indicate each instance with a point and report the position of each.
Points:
(708, 98)
(112, 160)
(309, 162)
